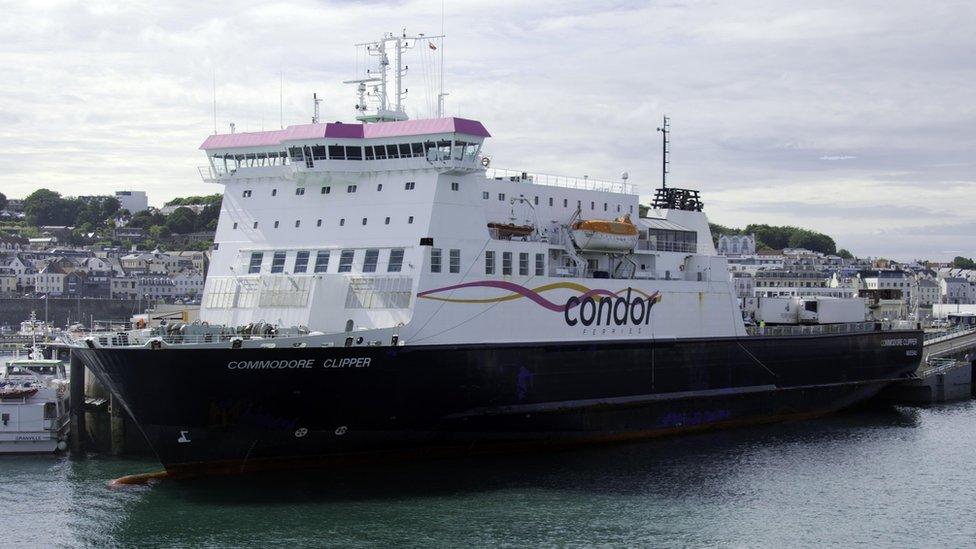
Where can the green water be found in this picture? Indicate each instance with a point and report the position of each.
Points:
(892, 477)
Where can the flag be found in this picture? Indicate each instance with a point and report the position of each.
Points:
(432, 46)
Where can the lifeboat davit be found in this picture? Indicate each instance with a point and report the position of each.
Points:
(619, 235)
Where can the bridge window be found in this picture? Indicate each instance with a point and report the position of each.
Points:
(255, 266)
(369, 152)
(506, 263)
(455, 261)
(345, 260)
(296, 154)
(318, 152)
(369, 262)
(301, 262)
(396, 260)
(354, 153)
(435, 260)
(321, 261)
(278, 262)
(489, 262)
(405, 150)
(417, 149)
(337, 152)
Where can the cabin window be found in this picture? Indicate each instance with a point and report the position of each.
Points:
(326, 190)
(370, 261)
(364, 221)
(435, 260)
(631, 208)
(345, 260)
(604, 206)
(396, 260)
(540, 264)
(565, 203)
(342, 222)
(235, 225)
(318, 152)
(506, 263)
(276, 225)
(301, 261)
(386, 221)
(247, 194)
(592, 205)
(318, 223)
(278, 262)
(298, 223)
(336, 152)
(455, 261)
(351, 189)
(536, 200)
(454, 186)
(274, 192)
(379, 187)
(299, 191)
(550, 201)
(579, 204)
(409, 185)
(255, 266)
(255, 224)
(618, 208)
(523, 264)
(485, 195)
(410, 220)
(489, 262)
(321, 261)
(369, 152)
(354, 153)
(501, 196)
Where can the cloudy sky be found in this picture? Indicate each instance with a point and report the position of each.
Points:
(854, 118)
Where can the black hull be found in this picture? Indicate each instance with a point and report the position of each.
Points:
(226, 410)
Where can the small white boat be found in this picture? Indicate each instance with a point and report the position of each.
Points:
(33, 406)
(619, 235)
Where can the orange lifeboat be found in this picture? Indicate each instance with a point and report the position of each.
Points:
(619, 235)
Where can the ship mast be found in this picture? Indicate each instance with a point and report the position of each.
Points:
(665, 130)
(374, 86)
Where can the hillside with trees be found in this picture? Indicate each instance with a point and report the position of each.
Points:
(778, 237)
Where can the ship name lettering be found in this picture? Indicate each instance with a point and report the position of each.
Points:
(904, 342)
(350, 362)
(270, 364)
(609, 311)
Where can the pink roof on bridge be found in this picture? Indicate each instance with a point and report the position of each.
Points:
(340, 130)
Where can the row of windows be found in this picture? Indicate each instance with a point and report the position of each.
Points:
(309, 154)
(300, 191)
(321, 264)
(579, 203)
(454, 262)
(318, 222)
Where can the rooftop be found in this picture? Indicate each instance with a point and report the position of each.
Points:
(339, 130)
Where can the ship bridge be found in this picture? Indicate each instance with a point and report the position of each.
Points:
(450, 145)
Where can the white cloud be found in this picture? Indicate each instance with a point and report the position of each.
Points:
(839, 104)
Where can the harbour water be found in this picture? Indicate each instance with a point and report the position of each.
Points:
(878, 477)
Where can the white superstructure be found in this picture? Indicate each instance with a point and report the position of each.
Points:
(385, 225)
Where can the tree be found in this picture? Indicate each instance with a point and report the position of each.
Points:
(844, 254)
(181, 221)
(3, 201)
(961, 262)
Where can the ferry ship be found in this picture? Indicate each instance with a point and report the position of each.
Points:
(378, 291)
